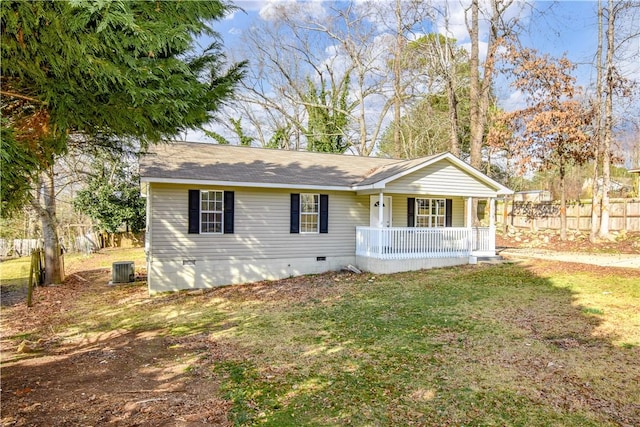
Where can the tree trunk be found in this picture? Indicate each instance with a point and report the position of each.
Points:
(563, 206)
(608, 126)
(598, 137)
(397, 84)
(475, 148)
(474, 90)
(454, 145)
(45, 206)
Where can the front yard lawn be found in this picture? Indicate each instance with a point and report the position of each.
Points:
(536, 343)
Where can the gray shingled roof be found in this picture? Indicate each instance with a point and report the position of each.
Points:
(202, 162)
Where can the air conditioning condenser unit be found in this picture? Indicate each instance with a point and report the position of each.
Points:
(123, 272)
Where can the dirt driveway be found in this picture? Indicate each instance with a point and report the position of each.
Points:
(603, 260)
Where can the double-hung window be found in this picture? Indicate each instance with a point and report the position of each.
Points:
(430, 212)
(211, 211)
(309, 212)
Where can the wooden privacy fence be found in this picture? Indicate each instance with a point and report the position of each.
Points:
(624, 215)
(85, 243)
(18, 247)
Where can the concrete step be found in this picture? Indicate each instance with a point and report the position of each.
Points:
(496, 259)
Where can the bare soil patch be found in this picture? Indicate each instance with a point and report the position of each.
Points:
(111, 378)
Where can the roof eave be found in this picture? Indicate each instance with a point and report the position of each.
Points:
(209, 182)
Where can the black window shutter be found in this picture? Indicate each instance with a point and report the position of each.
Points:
(411, 212)
(228, 212)
(324, 213)
(295, 213)
(448, 213)
(194, 211)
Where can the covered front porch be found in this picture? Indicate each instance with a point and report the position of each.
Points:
(421, 216)
(411, 242)
(382, 248)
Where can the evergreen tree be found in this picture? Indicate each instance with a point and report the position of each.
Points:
(327, 118)
(99, 72)
(112, 196)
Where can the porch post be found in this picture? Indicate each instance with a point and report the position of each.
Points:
(381, 239)
(381, 210)
(492, 225)
(492, 213)
(469, 224)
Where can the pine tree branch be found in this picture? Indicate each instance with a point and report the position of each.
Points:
(16, 95)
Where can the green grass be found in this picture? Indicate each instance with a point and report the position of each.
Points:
(14, 273)
(434, 348)
(474, 345)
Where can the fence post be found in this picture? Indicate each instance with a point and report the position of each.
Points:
(624, 214)
(30, 288)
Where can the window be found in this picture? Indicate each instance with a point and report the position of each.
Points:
(309, 213)
(211, 211)
(430, 212)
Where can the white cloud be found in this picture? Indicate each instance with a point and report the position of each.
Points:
(249, 5)
(451, 20)
(516, 101)
(483, 47)
(275, 9)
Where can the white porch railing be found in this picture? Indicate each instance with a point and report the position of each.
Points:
(414, 242)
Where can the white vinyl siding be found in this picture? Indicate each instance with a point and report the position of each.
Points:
(440, 179)
(261, 227)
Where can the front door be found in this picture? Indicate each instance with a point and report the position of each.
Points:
(374, 211)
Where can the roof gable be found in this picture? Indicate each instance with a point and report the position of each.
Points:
(442, 178)
(465, 171)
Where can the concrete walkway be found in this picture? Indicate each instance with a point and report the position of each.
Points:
(605, 260)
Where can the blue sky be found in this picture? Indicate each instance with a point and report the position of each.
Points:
(556, 28)
(563, 27)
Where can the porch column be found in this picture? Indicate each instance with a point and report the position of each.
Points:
(380, 232)
(469, 224)
(492, 213)
(381, 210)
(492, 224)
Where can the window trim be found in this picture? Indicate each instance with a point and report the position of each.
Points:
(316, 197)
(220, 212)
(431, 218)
